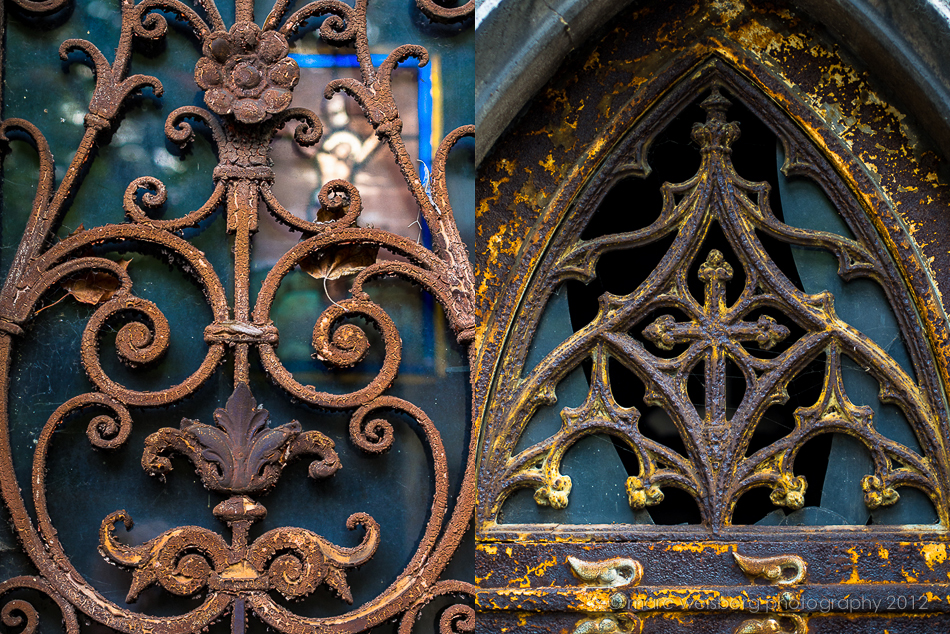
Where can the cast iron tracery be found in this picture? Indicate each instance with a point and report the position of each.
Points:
(566, 193)
(715, 470)
(247, 79)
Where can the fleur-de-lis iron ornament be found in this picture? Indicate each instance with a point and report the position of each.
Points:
(247, 81)
(241, 455)
(716, 469)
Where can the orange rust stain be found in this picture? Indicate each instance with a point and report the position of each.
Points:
(699, 547)
(549, 165)
(934, 554)
(538, 571)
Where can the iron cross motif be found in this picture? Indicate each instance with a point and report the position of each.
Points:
(713, 329)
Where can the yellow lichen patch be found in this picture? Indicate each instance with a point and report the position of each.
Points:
(699, 547)
(555, 98)
(549, 165)
(564, 136)
(497, 242)
(648, 602)
(486, 203)
(538, 571)
(758, 37)
(482, 580)
(528, 195)
(795, 41)
(934, 554)
(603, 106)
(855, 555)
(854, 578)
(872, 98)
(841, 74)
(727, 9)
(594, 600)
(596, 146)
(593, 62)
(508, 165)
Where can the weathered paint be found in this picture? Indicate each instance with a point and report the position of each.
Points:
(565, 137)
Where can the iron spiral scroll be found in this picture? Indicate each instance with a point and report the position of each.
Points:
(247, 79)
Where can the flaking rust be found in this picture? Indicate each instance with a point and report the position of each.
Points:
(716, 470)
(539, 186)
(247, 79)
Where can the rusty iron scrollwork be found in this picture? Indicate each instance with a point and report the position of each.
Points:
(610, 573)
(440, 13)
(609, 625)
(773, 625)
(247, 79)
(773, 568)
(21, 613)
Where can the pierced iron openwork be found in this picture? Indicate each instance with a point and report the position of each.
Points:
(247, 79)
(694, 338)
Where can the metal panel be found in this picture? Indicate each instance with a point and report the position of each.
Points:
(590, 128)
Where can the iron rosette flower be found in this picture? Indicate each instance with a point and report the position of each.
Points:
(246, 72)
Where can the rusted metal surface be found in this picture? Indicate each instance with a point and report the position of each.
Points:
(672, 622)
(773, 568)
(716, 470)
(440, 13)
(538, 189)
(609, 625)
(890, 557)
(771, 624)
(247, 80)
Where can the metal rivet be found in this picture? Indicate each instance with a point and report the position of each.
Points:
(786, 600)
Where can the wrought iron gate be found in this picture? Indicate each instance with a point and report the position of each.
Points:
(175, 355)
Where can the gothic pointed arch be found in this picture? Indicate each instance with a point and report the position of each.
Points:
(715, 469)
(686, 236)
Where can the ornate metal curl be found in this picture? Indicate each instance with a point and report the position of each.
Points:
(455, 619)
(440, 13)
(247, 79)
(18, 612)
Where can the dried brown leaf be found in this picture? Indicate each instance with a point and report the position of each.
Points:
(340, 260)
(329, 215)
(94, 287)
